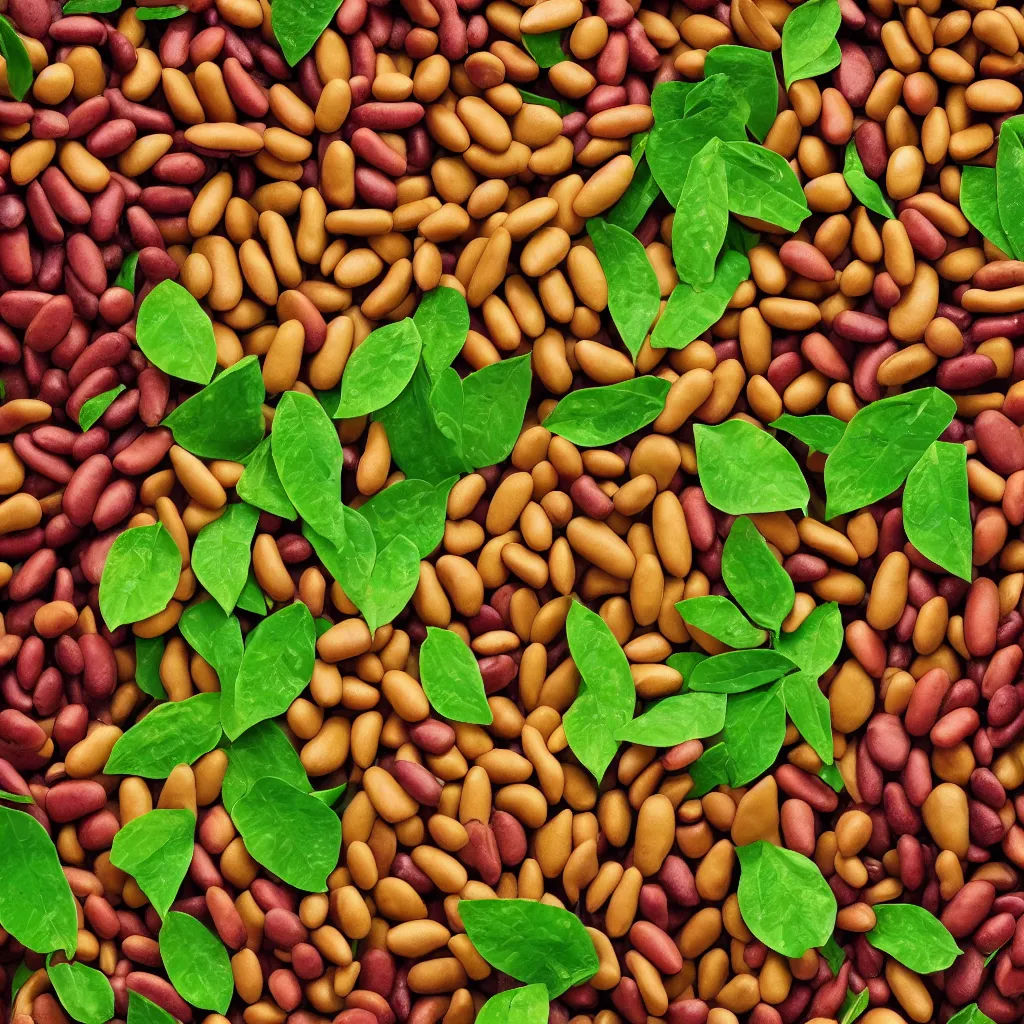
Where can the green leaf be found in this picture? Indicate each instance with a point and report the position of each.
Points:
(687, 716)
(90, 7)
(709, 770)
(225, 419)
(761, 586)
(809, 46)
(545, 47)
(160, 13)
(561, 107)
(126, 275)
(392, 582)
(156, 849)
(494, 404)
(196, 962)
(83, 991)
(217, 638)
(447, 402)
(937, 509)
(352, 564)
(526, 1005)
(261, 752)
(979, 204)
(668, 101)
(755, 727)
(36, 904)
(149, 652)
(308, 459)
(329, 797)
(450, 675)
(92, 410)
(634, 296)
(810, 712)
(175, 333)
(702, 216)
(379, 369)
(744, 469)
(864, 188)
(442, 319)
(290, 833)
(784, 899)
(751, 73)
(21, 975)
(418, 445)
(142, 1011)
(689, 313)
(15, 798)
(880, 445)
(178, 732)
(260, 485)
(19, 65)
(737, 671)
(298, 24)
(819, 433)
(140, 575)
(684, 662)
(636, 200)
(854, 1005)
(763, 185)
(831, 775)
(719, 617)
(532, 941)
(251, 598)
(606, 695)
(970, 1015)
(222, 552)
(815, 644)
(917, 939)
(591, 417)
(413, 509)
(834, 955)
(276, 667)
(1009, 185)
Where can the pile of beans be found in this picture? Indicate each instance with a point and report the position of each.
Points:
(304, 207)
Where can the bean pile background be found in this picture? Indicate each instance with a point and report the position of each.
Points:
(511, 513)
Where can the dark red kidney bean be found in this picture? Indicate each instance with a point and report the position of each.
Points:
(69, 801)
(84, 489)
(34, 573)
(100, 673)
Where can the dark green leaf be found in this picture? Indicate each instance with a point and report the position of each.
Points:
(834, 955)
(736, 671)
(225, 419)
(809, 46)
(1009, 186)
(668, 101)
(561, 107)
(175, 333)
(222, 552)
(980, 206)
(260, 485)
(217, 638)
(142, 1011)
(126, 275)
(819, 433)
(744, 469)
(526, 1005)
(810, 712)
(92, 410)
(532, 941)
(880, 445)
(636, 200)
(140, 575)
(196, 962)
(450, 675)
(761, 586)
(156, 849)
(447, 402)
(410, 508)
(19, 65)
(709, 770)
(715, 93)
(597, 416)
(545, 48)
(160, 13)
(684, 663)
(751, 73)
(276, 667)
(149, 652)
(261, 752)
(352, 564)
(689, 313)
(831, 775)
(379, 369)
(607, 696)
(784, 899)
(251, 598)
(634, 296)
(494, 404)
(36, 905)
(702, 216)
(814, 645)
(392, 582)
(298, 24)
(854, 1005)
(917, 939)
(442, 319)
(763, 185)
(687, 716)
(720, 618)
(290, 833)
(937, 509)
(83, 991)
(755, 727)
(864, 188)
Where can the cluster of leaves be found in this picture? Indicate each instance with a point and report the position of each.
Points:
(809, 46)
